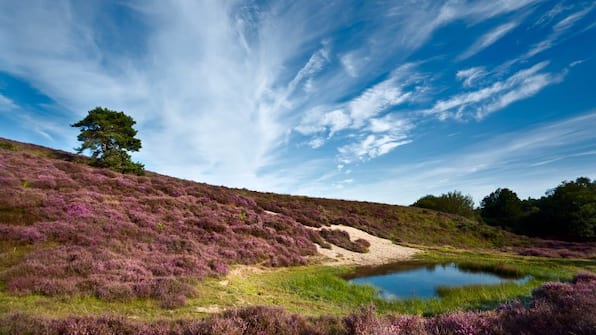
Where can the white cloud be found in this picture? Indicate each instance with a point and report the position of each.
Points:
(551, 14)
(480, 167)
(336, 121)
(348, 62)
(488, 39)
(390, 123)
(218, 86)
(372, 136)
(316, 142)
(570, 20)
(371, 146)
(6, 103)
(212, 73)
(375, 100)
(314, 65)
(558, 30)
(471, 76)
(576, 63)
(480, 103)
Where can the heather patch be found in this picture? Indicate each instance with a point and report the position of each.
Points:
(118, 237)
(342, 239)
(397, 223)
(555, 308)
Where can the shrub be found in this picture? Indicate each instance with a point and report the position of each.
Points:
(342, 239)
(452, 202)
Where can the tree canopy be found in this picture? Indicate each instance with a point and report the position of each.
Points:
(451, 202)
(501, 208)
(109, 135)
(567, 212)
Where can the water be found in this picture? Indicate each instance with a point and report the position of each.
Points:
(409, 280)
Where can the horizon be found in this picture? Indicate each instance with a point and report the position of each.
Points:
(366, 101)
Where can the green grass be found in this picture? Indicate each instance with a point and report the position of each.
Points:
(308, 290)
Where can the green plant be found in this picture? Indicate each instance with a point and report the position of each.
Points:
(8, 146)
(109, 135)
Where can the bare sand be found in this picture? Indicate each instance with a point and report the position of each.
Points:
(381, 251)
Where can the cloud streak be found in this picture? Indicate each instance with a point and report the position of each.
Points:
(471, 168)
(558, 30)
(488, 39)
(248, 93)
(500, 94)
(6, 103)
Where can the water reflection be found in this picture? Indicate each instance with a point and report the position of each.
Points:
(420, 280)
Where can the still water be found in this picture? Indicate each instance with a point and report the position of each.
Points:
(404, 281)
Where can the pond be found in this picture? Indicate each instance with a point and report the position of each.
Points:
(416, 280)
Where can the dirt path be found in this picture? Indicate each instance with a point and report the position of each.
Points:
(381, 250)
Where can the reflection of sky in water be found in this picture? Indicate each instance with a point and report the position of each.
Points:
(422, 282)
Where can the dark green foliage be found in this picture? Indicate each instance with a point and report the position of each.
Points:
(567, 213)
(452, 202)
(570, 210)
(109, 135)
(502, 208)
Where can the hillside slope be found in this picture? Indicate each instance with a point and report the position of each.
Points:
(67, 228)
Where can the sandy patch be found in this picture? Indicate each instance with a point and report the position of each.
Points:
(381, 250)
(209, 309)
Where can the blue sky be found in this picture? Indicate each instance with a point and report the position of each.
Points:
(371, 100)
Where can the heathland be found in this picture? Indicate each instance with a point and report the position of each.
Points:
(86, 249)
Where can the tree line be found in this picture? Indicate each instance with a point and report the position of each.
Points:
(567, 212)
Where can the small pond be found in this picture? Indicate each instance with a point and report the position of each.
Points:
(416, 280)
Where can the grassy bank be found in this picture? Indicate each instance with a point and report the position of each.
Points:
(317, 290)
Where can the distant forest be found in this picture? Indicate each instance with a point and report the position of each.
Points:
(567, 212)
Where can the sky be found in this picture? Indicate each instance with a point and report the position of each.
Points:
(383, 101)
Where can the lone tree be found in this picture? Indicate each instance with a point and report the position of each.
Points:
(109, 135)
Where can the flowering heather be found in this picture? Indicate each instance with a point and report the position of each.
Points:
(342, 239)
(400, 224)
(556, 308)
(99, 233)
(559, 249)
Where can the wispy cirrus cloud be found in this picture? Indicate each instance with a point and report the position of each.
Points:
(221, 89)
(6, 103)
(471, 76)
(380, 137)
(480, 103)
(516, 157)
(372, 135)
(488, 39)
(558, 30)
(371, 146)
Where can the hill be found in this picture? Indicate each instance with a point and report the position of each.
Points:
(84, 230)
(77, 242)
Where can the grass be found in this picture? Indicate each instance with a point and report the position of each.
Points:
(53, 203)
(315, 290)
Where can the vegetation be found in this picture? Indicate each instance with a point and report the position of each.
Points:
(502, 208)
(568, 212)
(156, 251)
(555, 308)
(406, 225)
(94, 232)
(109, 135)
(452, 202)
(342, 239)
